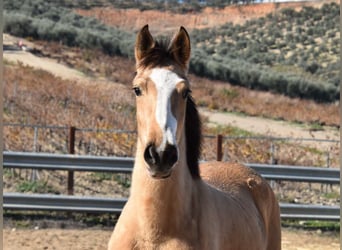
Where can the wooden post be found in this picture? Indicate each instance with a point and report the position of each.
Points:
(219, 148)
(71, 149)
(272, 153)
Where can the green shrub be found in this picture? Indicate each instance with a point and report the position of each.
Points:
(35, 187)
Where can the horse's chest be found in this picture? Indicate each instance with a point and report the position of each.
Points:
(180, 240)
(167, 245)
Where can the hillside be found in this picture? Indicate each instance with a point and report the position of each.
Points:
(100, 98)
(216, 95)
(290, 52)
(303, 63)
(167, 21)
(290, 48)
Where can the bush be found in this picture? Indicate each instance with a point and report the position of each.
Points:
(18, 24)
(38, 19)
(312, 67)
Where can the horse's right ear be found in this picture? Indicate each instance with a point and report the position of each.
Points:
(143, 43)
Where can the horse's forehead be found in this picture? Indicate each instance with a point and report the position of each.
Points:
(165, 80)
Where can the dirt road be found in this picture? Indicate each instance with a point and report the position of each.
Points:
(271, 127)
(54, 239)
(43, 63)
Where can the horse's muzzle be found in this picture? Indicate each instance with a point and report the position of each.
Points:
(160, 162)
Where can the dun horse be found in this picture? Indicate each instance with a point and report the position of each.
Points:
(175, 203)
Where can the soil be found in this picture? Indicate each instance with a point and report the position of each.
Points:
(67, 239)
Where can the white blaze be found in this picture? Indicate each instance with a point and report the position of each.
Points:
(165, 82)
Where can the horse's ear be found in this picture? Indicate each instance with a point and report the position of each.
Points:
(143, 43)
(180, 47)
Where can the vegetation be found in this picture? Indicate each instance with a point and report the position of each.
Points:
(170, 5)
(37, 97)
(312, 225)
(47, 21)
(291, 53)
(288, 53)
(35, 187)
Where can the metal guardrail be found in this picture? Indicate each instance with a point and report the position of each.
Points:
(121, 164)
(67, 162)
(309, 212)
(125, 165)
(297, 173)
(19, 201)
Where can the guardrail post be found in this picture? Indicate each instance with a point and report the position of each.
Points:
(72, 131)
(34, 173)
(219, 148)
(272, 153)
(328, 166)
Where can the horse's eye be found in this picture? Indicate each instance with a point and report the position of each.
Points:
(137, 91)
(186, 93)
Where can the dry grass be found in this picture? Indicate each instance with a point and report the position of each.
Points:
(37, 97)
(225, 97)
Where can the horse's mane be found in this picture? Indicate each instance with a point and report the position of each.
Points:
(193, 133)
(161, 55)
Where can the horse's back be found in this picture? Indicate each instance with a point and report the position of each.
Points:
(235, 179)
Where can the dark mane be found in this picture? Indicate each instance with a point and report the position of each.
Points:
(193, 135)
(159, 55)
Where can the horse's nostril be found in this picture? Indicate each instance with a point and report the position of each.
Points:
(170, 155)
(150, 155)
(160, 162)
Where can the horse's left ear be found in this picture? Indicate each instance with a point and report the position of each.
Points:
(180, 47)
(144, 42)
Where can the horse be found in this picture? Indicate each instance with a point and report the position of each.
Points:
(175, 202)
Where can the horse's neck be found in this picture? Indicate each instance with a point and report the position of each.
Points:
(163, 204)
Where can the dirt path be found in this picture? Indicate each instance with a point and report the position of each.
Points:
(270, 127)
(48, 239)
(43, 63)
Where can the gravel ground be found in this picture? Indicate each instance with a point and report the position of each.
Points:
(85, 239)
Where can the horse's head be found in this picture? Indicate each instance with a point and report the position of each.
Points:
(161, 90)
